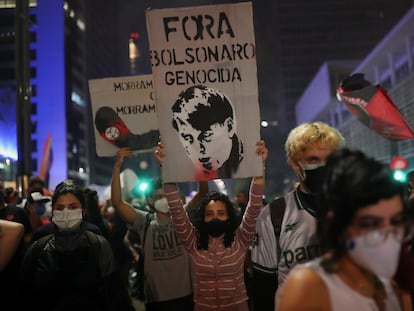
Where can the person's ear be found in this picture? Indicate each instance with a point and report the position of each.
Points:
(295, 165)
(230, 126)
(296, 168)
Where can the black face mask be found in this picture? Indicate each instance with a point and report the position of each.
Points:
(313, 177)
(216, 227)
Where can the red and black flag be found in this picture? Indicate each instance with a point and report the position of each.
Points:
(371, 105)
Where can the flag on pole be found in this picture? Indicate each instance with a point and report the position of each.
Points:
(47, 160)
(372, 106)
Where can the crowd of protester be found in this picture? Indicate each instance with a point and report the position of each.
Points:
(340, 239)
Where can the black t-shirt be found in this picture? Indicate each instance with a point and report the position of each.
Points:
(73, 267)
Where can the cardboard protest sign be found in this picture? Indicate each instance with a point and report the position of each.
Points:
(124, 114)
(205, 76)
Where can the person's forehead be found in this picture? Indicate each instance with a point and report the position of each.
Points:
(213, 127)
(193, 104)
(384, 208)
(184, 124)
(215, 206)
(67, 198)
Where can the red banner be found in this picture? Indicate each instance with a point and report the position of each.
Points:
(371, 105)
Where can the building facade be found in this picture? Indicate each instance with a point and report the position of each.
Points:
(391, 64)
(59, 95)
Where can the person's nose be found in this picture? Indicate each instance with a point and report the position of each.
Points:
(202, 147)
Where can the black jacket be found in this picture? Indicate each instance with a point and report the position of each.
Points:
(69, 271)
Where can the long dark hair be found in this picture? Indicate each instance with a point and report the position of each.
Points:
(232, 224)
(93, 211)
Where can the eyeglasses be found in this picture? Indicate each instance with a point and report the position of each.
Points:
(401, 234)
(401, 226)
(375, 237)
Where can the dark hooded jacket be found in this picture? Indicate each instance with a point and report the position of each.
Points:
(70, 270)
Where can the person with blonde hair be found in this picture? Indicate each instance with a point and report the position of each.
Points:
(286, 227)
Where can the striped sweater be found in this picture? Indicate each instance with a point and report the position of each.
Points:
(218, 272)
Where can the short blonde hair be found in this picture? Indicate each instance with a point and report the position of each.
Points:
(316, 134)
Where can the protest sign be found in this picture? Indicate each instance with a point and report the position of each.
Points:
(205, 77)
(124, 114)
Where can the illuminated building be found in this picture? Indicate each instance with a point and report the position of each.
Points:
(58, 100)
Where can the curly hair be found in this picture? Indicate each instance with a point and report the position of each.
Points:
(316, 134)
(231, 224)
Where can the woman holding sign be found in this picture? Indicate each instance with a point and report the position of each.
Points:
(216, 244)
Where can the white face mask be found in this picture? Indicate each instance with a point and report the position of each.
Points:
(67, 219)
(381, 259)
(161, 206)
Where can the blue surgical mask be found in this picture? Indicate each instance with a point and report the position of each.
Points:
(40, 209)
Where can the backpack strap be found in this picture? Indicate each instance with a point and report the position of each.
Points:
(139, 269)
(277, 211)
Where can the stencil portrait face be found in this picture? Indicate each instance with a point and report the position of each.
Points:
(204, 120)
